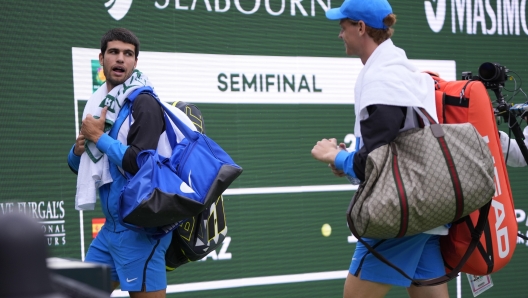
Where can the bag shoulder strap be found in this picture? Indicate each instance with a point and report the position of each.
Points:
(186, 131)
(475, 239)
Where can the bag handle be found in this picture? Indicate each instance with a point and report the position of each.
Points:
(438, 133)
(424, 115)
(475, 239)
(171, 134)
(186, 131)
(436, 128)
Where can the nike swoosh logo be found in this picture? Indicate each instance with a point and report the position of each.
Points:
(131, 280)
(187, 188)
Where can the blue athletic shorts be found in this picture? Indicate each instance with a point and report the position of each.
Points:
(135, 258)
(418, 256)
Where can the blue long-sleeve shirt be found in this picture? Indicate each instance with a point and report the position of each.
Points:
(143, 135)
(380, 128)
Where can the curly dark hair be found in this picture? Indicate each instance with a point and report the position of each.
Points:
(120, 34)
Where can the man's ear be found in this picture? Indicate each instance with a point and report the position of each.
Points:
(362, 27)
(101, 58)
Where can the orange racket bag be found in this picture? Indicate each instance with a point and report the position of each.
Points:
(493, 228)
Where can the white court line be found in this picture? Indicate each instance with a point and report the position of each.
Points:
(255, 191)
(277, 279)
(247, 282)
(265, 280)
(289, 189)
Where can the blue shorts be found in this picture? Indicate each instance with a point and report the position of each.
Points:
(418, 256)
(135, 259)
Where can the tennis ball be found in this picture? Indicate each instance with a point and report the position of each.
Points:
(326, 230)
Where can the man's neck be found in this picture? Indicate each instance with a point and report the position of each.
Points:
(369, 47)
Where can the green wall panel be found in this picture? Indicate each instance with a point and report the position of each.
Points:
(271, 234)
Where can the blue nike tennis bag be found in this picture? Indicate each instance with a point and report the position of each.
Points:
(168, 190)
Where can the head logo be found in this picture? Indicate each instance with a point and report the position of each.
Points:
(435, 19)
(118, 8)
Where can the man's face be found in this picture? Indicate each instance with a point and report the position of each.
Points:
(350, 36)
(119, 61)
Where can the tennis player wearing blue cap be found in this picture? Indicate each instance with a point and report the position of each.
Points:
(386, 89)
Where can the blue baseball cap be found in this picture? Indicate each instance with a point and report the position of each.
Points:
(372, 12)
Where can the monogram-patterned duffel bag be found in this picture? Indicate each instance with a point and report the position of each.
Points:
(425, 178)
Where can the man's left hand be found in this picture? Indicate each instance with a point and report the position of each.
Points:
(92, 128)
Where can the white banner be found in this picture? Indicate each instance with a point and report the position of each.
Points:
(208, 78)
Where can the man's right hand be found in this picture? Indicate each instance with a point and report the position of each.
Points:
(325, 150)
(92, 129)
(79, 145)
(337, 172)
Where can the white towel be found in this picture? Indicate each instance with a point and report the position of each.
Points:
(94, 167)
(390, 78)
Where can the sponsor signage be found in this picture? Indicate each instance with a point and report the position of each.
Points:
(119, 8)
(49, 214)
(504, 17)
(207, 78)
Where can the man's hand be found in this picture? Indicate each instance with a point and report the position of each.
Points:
(326, 150)
(337, 172)
(92, 128)
(431, 73)
(79, 145)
